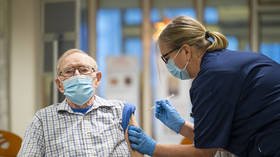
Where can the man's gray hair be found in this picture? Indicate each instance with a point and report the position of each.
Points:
(68, 53)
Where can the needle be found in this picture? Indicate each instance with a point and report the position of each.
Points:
(167, 98)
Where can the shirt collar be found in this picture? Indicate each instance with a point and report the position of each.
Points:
(98, 102)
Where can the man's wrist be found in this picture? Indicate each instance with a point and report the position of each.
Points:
(187, 130)
(152, 149)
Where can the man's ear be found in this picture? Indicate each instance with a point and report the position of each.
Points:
(59, 85)
(98, 79)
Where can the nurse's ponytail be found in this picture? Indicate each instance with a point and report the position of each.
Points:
(186, 30)
(219, 41)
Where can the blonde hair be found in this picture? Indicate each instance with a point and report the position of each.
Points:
(70, 52)
(186, 30)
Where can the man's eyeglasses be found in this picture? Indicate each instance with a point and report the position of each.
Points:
(83, 70)
(165, 58)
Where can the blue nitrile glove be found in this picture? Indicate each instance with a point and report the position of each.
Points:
(128, 110)
(140, 141)
(168, 115)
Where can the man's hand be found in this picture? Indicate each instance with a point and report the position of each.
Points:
(168, 115)
(140, 141)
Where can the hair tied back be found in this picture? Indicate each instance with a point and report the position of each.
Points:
(207, 35)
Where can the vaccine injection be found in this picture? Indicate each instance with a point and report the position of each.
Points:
(167, 98)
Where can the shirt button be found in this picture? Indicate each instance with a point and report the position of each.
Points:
(88, 134)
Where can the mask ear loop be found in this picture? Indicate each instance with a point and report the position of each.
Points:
(185, 67)
(177, 53)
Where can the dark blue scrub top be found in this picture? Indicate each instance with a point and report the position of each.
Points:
(236, 103)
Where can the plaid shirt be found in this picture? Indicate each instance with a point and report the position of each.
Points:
(58, 131)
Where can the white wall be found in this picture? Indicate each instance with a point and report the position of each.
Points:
(24, 49)
(4, 110)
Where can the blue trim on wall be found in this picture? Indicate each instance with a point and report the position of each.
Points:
(271, 50)
(109, 39)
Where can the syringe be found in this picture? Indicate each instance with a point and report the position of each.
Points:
(167, 98)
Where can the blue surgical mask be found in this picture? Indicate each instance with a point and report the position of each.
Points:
(78, 89)
(177, 72)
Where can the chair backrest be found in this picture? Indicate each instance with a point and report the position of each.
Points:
(10, 143)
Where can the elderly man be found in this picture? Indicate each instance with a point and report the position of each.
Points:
(83, 124)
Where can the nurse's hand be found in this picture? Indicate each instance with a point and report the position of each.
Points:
(168, 115)
(140, 141)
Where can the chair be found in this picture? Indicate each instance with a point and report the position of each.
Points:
(10, 144)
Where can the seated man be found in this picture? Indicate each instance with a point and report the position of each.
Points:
(83, 124)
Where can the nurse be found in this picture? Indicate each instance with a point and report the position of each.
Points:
(235, 96)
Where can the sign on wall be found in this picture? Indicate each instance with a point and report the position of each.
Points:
(122, 81)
